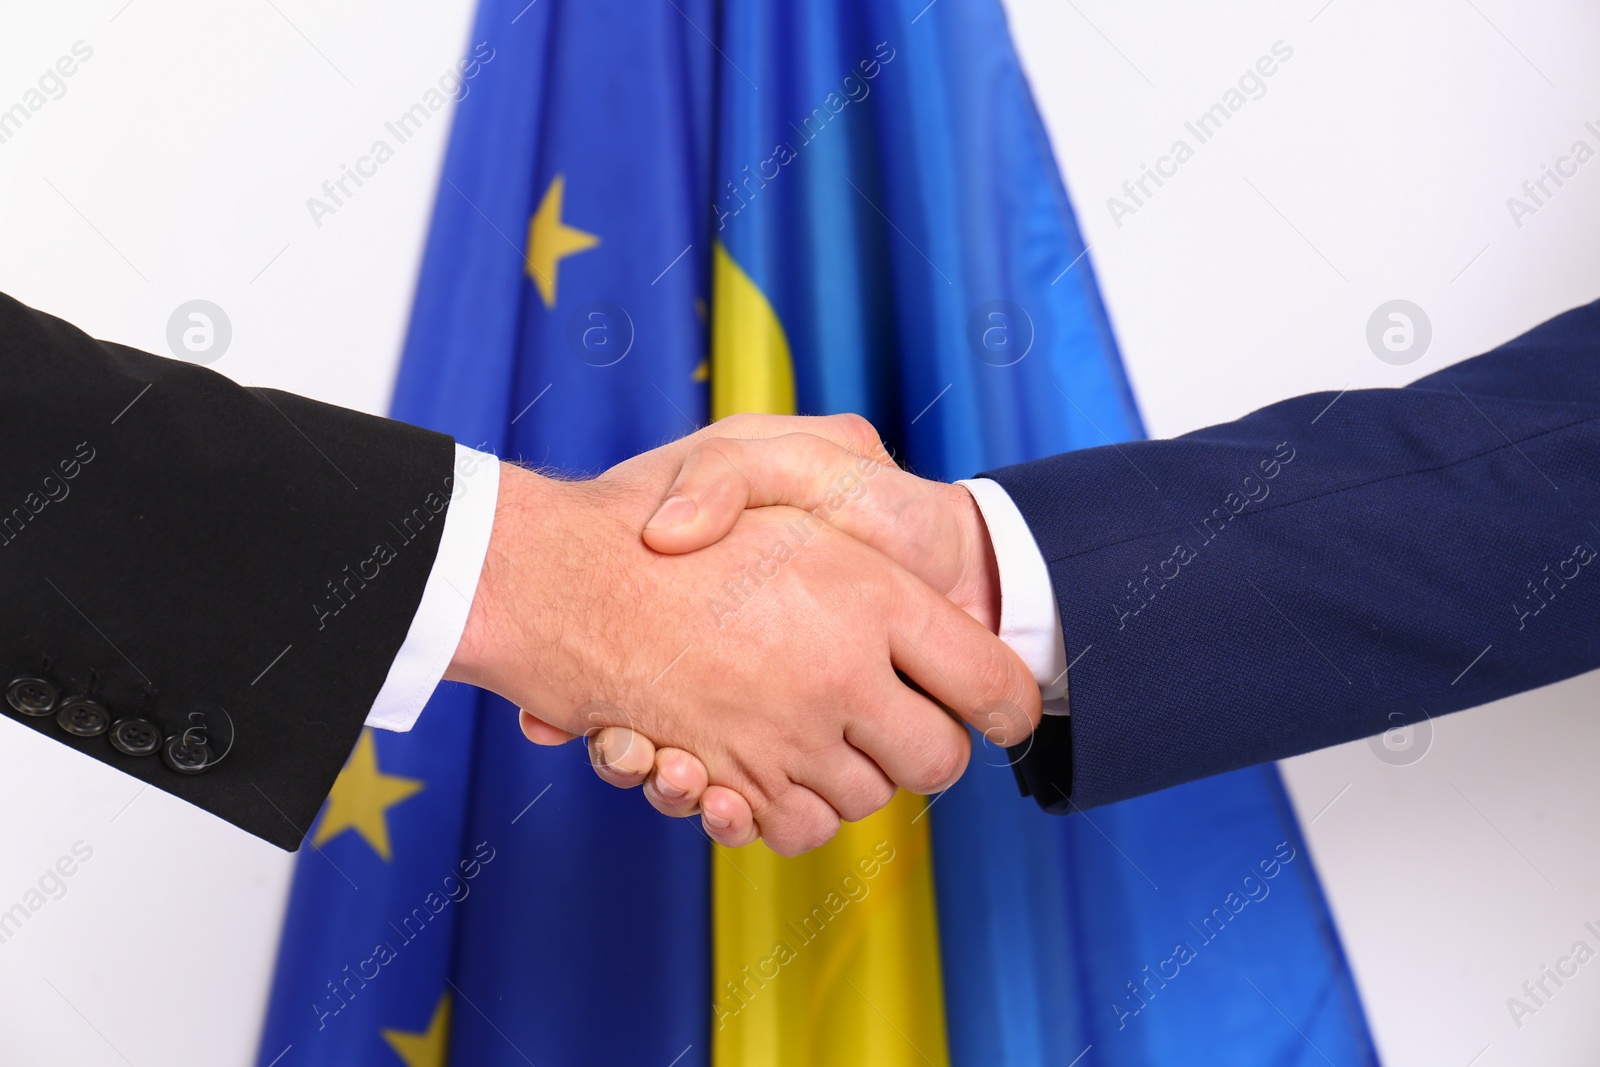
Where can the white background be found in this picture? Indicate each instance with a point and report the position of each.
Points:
(1376, 166)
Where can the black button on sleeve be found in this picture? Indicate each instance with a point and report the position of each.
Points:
(186, 756)
(135, 737)
(83, 717)
(32, 696)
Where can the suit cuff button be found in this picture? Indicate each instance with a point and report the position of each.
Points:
(135, 737)
(83, 717)
(186, 756)
(32, 696)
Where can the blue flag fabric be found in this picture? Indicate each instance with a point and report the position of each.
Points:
(555, 322)
(919, 250)
(887, 183)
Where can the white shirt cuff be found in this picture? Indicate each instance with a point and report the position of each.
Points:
(1030, 621)
(442, 615)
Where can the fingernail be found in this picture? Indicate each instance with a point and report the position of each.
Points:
(716, 822)
(606, 757)
(668, 791)
(674, 511)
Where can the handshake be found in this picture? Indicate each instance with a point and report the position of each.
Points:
(767, 623)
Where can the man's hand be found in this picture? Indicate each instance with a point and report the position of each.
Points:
(837, 469)
(772, 655)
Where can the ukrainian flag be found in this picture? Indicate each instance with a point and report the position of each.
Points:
(653, 212)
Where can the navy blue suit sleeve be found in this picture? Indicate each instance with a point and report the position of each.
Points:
(1323, 569)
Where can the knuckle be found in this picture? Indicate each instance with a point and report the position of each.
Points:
(857, 806)
(734, 451)
(799, 822)
(783, 846)
(871, 798)
(1022, 710)
(862, 435)
(820, 832)
(718, 464)
(1008, 704)
(943, 764)
(696, 461)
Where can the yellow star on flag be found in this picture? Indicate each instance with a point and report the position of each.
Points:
(361, 798)
(550, 240)
(428, 1048)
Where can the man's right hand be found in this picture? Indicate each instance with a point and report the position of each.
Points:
(771, 655)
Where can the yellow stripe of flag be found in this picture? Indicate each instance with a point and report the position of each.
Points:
(830, 958)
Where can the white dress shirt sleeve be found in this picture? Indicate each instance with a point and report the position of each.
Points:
(1030, 621)
(442, 615)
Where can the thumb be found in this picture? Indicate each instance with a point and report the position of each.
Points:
(721, 477)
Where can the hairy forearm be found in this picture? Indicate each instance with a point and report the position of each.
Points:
(548, 538)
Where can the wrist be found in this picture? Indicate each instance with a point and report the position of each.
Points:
(543, 630)
(522, 509)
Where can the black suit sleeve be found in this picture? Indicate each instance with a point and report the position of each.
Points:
(204, 584)
(1321, 570)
